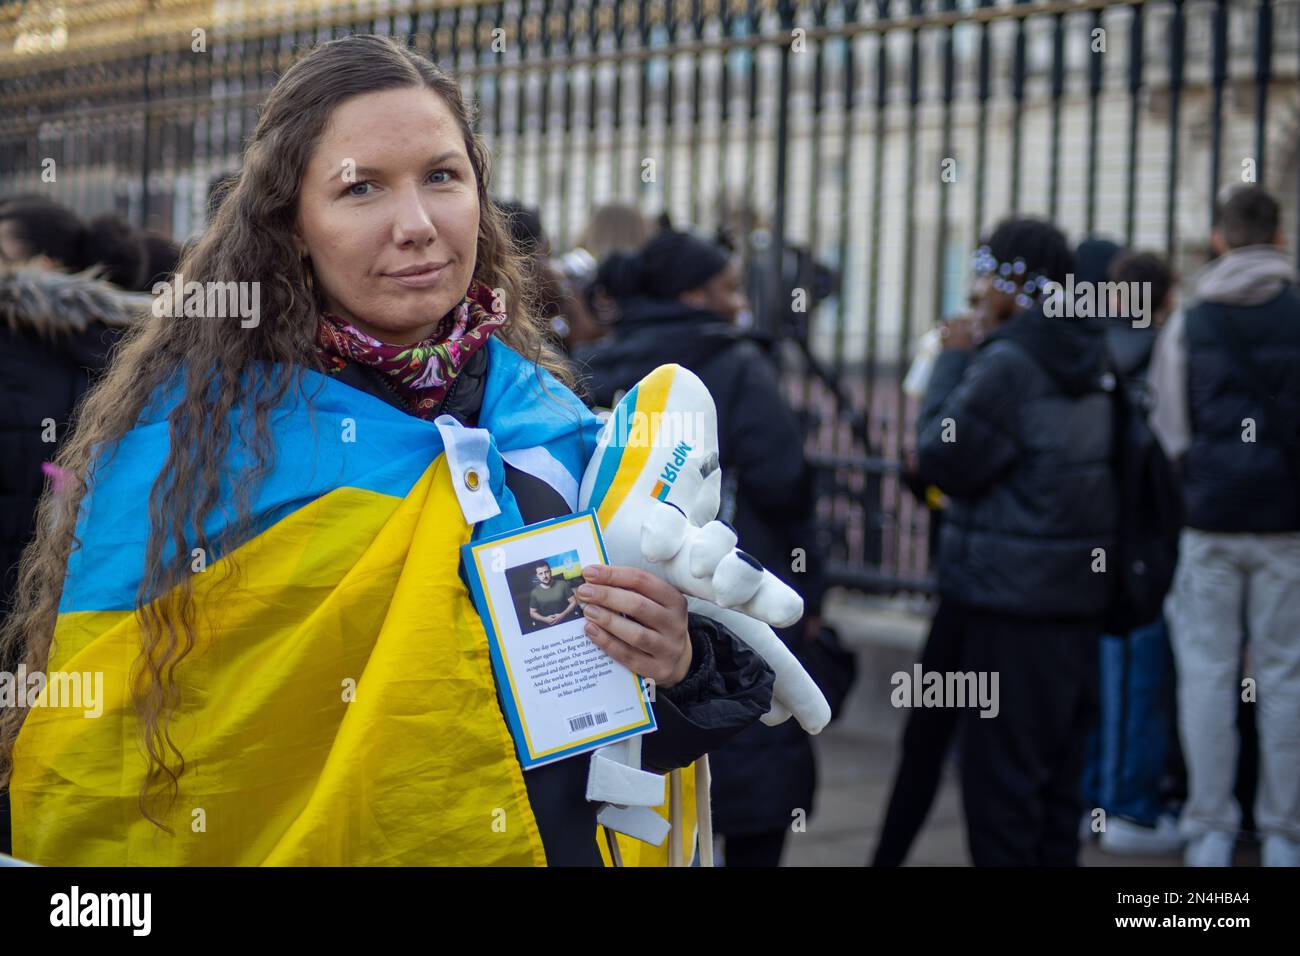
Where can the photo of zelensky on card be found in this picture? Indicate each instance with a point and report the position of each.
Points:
(544, 591)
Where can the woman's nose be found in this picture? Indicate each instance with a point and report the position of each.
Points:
(412, 224)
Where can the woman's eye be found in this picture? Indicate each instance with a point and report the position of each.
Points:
(365, 183)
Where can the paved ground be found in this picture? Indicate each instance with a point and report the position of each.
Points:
(856, 758)
(856, 755)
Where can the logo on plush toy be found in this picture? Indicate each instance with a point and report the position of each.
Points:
(671, 470)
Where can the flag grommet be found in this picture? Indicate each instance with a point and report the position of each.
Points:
(471, 479)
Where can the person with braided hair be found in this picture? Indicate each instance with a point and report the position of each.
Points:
(1016, 429)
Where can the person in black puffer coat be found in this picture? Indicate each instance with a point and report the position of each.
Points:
(57, 325)
(56, 331)
(1018, 433)
(678, 298)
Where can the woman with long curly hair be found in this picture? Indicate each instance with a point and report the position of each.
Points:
(258, 546)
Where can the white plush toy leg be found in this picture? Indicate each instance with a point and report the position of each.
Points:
(697, 562)
(794, 691)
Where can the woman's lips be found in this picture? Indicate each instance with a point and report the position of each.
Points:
(421, 280)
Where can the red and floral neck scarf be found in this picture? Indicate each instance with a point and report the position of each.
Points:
(423, 372)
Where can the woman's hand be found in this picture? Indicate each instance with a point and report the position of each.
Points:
(639, 620)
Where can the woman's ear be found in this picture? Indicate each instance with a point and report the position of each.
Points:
(295, 236)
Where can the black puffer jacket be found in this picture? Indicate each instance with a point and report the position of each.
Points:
(1027, 466)
(765, 772)
(1233, 486)
(55, 334)
(728, 687)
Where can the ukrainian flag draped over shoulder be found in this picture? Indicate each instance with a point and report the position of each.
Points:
(338, 706)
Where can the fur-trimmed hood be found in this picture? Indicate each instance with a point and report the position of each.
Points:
(54, 303)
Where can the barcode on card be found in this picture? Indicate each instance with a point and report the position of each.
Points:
(583, 721)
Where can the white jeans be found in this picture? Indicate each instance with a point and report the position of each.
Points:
(1225, 581)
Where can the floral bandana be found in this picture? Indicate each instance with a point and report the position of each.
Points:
(1006, 275)
(421, 373)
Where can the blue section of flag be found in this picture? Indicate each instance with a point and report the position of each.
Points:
(326, 435)
(526, 412)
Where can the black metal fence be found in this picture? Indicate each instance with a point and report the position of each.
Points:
(867, 143)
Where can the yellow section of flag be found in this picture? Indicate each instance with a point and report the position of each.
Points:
(338, 707)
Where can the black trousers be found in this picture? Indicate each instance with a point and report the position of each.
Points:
(1020, 770)
(926, 736)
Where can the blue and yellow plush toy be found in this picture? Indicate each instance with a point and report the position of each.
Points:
(655, 484)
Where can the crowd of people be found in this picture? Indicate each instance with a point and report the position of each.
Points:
(1128, 737)
(1128, 734)
(1017, 449)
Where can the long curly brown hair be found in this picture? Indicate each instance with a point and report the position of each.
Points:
(224, 375)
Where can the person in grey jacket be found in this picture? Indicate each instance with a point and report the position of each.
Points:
(1016, 429)
(1226, 382)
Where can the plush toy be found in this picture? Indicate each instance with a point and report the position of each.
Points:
(655, 484)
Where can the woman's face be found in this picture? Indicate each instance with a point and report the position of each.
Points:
(390, 189)
(722, 294)
(991, 306)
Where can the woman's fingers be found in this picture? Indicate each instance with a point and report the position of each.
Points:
(636, 579)
(628, 630)
(636, 606)
(638, 619)
(638, 662)
(636, 593)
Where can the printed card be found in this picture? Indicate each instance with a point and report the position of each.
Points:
(563, 694)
